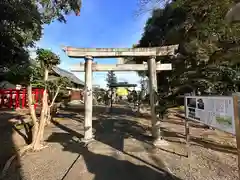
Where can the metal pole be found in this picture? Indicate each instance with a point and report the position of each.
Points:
(187, 135)
(237, 127)
(153, 90)
(88, 135)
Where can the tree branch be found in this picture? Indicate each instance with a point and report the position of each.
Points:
(55, 96)
(31, 105)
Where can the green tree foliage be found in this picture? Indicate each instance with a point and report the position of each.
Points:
(21, 25)
(111, 78)
(46, 59)
(57, 9)
(208, 59)
(57, 89)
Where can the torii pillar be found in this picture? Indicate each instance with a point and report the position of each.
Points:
(88, 135)
(152, 52)
(152, 73)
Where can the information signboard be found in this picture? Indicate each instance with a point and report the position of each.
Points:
(214, 111)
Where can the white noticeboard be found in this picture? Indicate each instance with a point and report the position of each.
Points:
(215, 111)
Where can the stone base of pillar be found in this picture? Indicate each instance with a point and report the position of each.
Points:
(160, 143)
(87, 141)
(156, 131)
(157, 135)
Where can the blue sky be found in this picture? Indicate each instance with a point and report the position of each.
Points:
(102, 23)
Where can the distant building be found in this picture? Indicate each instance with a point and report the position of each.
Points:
(96, 86)
(56, 72)
(76, 91)
(7, 85)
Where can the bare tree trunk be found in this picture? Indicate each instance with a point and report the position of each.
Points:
(51, 107)
(37, 130)
(49, 116)
(37, 144)
(32, 113)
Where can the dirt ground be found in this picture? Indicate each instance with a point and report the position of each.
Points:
(10, 140)
(123, 150)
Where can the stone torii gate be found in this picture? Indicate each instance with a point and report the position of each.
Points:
(89, 53)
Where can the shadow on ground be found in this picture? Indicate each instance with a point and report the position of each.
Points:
(180, 120)
(106, 167)
(177, 137)
(8, 146)
(117, 126)
(99, 109)
(134, 129)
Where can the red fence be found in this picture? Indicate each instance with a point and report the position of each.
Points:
(14, 98)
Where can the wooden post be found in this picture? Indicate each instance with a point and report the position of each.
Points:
(2, 98)
(153, 89)
(88, 100)
(236, 107)
(187, 136)
(17, 99)
(23, 98)
(10, 98)
(36, 97)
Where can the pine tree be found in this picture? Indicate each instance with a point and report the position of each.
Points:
(111, 78)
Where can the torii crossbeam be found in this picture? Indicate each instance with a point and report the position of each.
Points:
(119, 52)
(121, 67)
(89, 67)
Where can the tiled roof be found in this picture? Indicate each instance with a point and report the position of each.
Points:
(69, 75)
(7, 85)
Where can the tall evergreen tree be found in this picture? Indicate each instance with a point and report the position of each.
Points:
(111, 78)
(208, 46)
